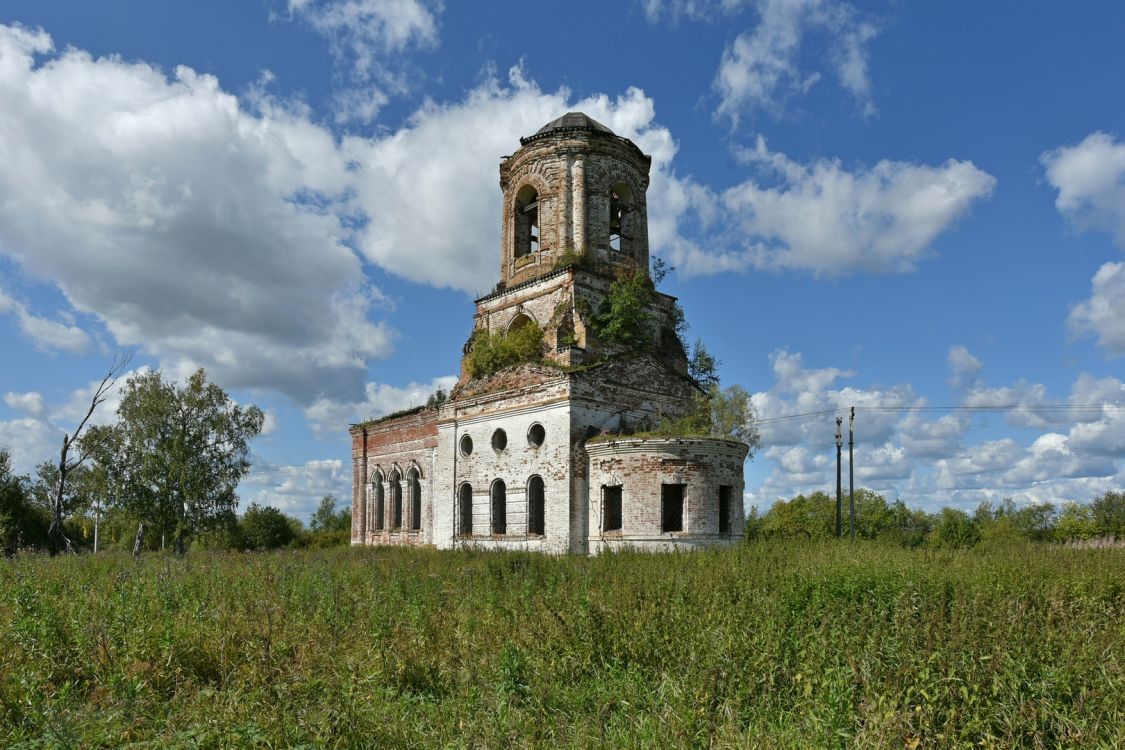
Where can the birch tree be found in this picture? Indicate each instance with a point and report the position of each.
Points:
(180, 453)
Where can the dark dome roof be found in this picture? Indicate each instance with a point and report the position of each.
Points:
(574, 121)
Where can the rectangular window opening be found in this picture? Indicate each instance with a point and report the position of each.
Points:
(672, 507)
(611, 508)
(725, 491)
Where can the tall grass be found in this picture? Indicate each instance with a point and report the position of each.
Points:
(768, 644)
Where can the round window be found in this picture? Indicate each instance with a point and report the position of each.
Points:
(499, 440)
(536, 435)
(466, 445)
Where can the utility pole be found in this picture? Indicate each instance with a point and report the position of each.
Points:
(851, 470)
(839, 489)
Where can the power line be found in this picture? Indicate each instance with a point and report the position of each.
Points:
(997, 409)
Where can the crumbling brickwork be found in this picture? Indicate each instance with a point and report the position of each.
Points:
(519, 459)
(573, 168)
(562, 303)
(642, 467)
(400, 449)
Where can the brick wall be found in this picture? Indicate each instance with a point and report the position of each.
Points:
(517, 400)
(641, 466)
(380, 450)
(573, 174)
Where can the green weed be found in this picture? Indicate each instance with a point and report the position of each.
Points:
(781, 643)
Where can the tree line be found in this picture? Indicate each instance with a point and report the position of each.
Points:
(26, 512)
(170, 464)
(813, 516)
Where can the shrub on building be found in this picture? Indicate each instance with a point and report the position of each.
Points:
(492, 352)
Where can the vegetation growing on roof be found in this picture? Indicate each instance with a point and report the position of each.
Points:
(571, 257)
(492, 352)
(724, 413)
(625, 317)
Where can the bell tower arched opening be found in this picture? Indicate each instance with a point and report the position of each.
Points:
(622, 215)
(527, 221)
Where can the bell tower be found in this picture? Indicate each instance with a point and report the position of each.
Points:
(574, 219)
(573, 193)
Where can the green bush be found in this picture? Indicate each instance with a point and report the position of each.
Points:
(492, 352)
(23, 524)
(326, 539)
(571, 257)
(624, 315)
(265, 527)
(1109, 513)
(1076, 522)
(954, 530)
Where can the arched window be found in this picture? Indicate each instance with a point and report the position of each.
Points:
(499, 507)
(377, 514)
(535, 506)
(415, 501)
(396, 502)
(368, 507)
(465, 510)
(527, 221)
(620, 218)
(519, 322)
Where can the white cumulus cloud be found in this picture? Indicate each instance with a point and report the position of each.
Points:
(30, 441)
(30, 403)
(819, 217)
(196, 227)
(1103, 314)
(45, 334)
(329, 416)
(761, 69)
(963, 367)
(1070, 448)
(296, 489)
(1090, 180)
(370, 39)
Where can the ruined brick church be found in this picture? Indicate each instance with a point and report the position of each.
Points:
(552, 455)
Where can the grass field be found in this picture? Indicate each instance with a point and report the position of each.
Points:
(770, 644)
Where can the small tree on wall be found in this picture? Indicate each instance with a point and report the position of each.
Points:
(624, 315)
(491, 352)
(702, 367)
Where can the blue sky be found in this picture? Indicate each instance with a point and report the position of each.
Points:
(887, 204)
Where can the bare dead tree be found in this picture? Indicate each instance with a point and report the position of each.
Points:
(56, 534)
(139, 542)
